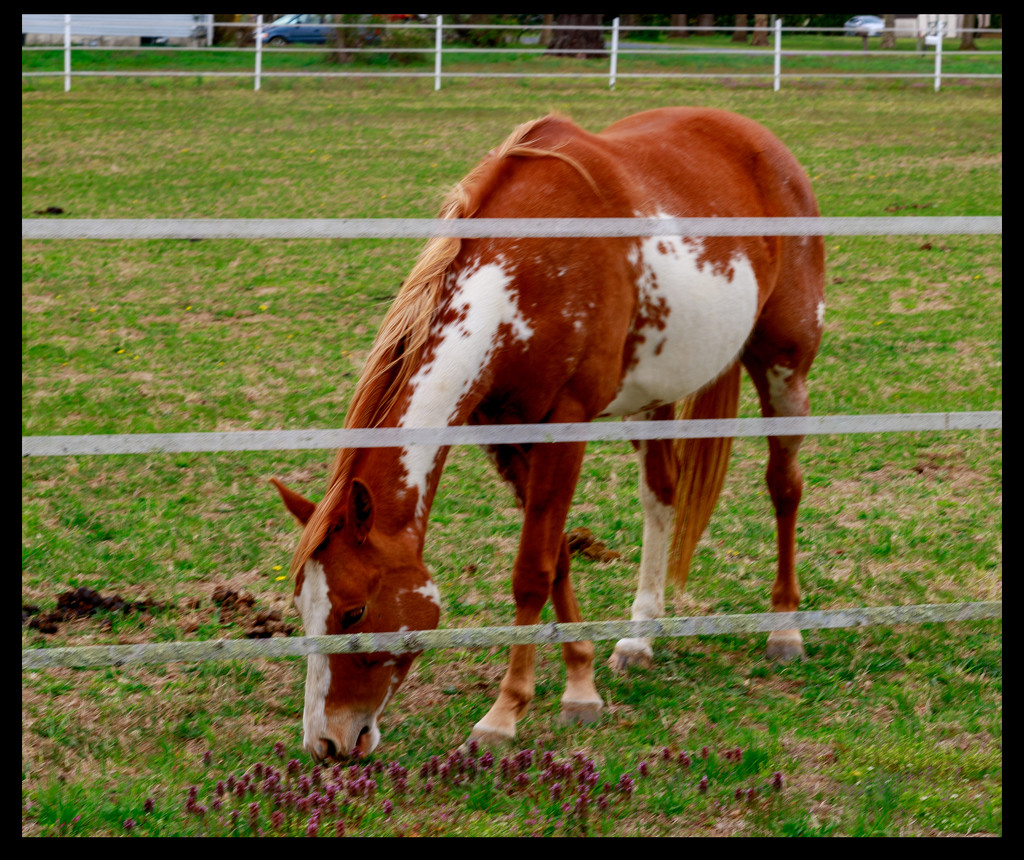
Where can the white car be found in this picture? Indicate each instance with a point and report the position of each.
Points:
(863, 25)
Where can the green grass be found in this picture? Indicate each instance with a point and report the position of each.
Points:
(888, 732)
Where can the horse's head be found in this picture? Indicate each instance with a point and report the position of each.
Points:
(358, 580)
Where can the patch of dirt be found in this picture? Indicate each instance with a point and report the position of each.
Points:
(233, 606)
(583, 543)
(80, 603)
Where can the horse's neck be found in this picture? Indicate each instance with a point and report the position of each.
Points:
(407, 477)
(445, 388)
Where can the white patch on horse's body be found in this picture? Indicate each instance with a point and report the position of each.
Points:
(314, 606)
(821, 314)
(693, 322)
(484, 302)
(430, 592)
(778, 387)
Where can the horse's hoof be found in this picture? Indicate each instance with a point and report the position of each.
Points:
(485, 737)
(785, 645)
(631, 654)
(580, 712)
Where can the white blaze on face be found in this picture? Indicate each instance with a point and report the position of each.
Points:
(314, 606)
(483, 302)
(693, 322)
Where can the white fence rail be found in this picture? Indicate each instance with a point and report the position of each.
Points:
(97, 656)
(477, 228)
(614, 49)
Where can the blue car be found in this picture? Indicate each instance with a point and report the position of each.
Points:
(296, 29)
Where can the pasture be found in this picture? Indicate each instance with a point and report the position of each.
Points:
(879, 732)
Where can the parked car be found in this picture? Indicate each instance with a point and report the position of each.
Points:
(863, 25)
(298, 29)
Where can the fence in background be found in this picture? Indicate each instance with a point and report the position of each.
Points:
(614, 49)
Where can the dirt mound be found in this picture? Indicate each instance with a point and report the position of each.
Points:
(80, 603)
(234, 607)
(238, 606)
(583, 543)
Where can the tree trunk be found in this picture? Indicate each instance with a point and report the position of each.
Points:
(760, 39)
(705, 21)
(967, 33)
(585, 44)
(740, 33)
(680, 22)
(889, 33)
(545, 33)
(336, 41)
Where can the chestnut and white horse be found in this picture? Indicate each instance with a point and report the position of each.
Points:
(498, 331)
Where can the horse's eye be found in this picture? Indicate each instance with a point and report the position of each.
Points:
(353, 616)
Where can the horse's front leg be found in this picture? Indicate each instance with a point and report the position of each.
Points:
(541, 566)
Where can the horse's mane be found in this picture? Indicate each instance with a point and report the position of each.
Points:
(398, 347)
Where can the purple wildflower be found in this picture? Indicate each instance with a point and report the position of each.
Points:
(702, 787)
(777, 780)
(279, 749)
(129, 823)
(208, 757)
(149, 805)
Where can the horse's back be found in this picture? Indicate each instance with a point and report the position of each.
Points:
(633, 323)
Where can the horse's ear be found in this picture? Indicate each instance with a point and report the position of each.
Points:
(301, 508)
(360, 509)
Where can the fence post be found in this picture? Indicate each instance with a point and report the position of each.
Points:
(259, 50)
(438, 40)
(940, 31)
(778, 55)
(615, 54)
(67, 53)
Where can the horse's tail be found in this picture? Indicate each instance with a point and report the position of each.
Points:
(702, 465)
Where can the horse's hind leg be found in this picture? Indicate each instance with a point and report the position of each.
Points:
(778, 358)
(658, 476)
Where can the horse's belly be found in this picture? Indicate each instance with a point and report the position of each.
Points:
(693, 319)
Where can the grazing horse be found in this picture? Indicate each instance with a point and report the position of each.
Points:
(498, 331)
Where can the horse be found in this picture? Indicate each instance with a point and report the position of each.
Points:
(533, 330)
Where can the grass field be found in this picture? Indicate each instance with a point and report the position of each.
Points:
(879, 732)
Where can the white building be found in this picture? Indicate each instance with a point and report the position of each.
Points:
(123, 30)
